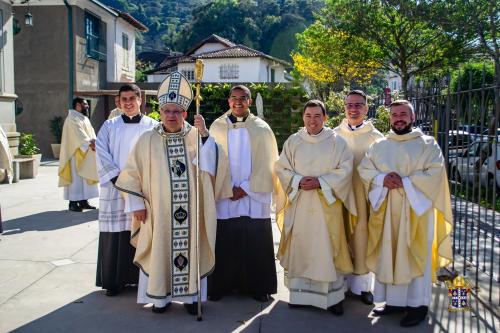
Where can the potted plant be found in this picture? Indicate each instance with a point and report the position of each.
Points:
(28, 156)
(56, 126)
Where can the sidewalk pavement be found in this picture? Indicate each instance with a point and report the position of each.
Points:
(47, 275)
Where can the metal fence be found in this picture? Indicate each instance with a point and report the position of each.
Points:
(465, 121)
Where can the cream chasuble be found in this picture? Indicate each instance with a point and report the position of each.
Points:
(358, 141)
(264, 153)
(313, 247)
(77, 133)
(116, 112)
(403, 219)
(160, 169)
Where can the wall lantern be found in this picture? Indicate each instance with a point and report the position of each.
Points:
(28, 19)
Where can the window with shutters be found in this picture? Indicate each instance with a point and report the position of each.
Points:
(94, 34)
(125, 47)
(229, 71)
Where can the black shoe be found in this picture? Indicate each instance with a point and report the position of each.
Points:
(160, 309)
(75, 207)
(112, 292)
(414, 316)
(214, 298)
(337, 309)
(387, 309)
(367, 297)
(261, 298)
(192, 308)
(84, 204)
(296, 306)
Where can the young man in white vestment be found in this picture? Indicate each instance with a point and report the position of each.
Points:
(77, 160)
(410, 220)
(314, 170)
(359, 135)
(159, 181)
(245, 251)
(115, 140)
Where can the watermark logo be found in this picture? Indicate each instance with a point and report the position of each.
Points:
(459, 290)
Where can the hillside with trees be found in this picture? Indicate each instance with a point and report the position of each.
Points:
(267, 25)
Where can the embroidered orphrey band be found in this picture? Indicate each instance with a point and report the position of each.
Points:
(179, 176)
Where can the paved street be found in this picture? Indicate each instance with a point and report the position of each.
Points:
(47, 274)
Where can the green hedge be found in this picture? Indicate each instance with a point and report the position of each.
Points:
(282, 105)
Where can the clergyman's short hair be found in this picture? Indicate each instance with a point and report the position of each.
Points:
(243, 88)
(357, 92)
(130, 87)
(314, 103)
(402, 102)
(77, 100)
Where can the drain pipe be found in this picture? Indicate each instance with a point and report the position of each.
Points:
(70, 54)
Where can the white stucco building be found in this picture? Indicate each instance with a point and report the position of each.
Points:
(224, 61)
(7, 94)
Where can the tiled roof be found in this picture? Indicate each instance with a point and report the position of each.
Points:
(133, 21)
(233, 51)
(211, 39)
(127, 17)
(238, 51)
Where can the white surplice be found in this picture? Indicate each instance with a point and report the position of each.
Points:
(114, 142)
(254, 205)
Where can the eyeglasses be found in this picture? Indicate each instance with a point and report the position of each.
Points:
(239, 99)
(172, 112)
(354, 105)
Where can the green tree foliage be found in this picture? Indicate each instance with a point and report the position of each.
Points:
(164, 19)
(56, 127)
(329, 55)
(266, 25)
(27, 144)
(382, 119)
(473, 76)
(140, 71)
(479, 22)
(410, 34)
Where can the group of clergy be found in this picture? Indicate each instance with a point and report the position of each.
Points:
(357, 211)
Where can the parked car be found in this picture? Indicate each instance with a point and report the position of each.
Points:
(458, 141)
(465, 166)
(472, 129)
(486, 136)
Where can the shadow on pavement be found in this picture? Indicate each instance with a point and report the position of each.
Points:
(97, 313)
(47, 221)
(357, 318)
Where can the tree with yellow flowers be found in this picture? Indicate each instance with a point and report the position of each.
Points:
(327, 55)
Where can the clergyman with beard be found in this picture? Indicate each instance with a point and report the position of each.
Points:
(77, 167)
(410, 220)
